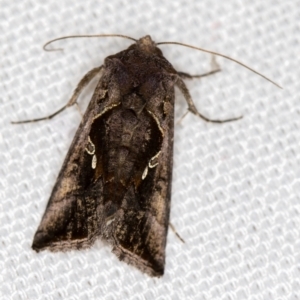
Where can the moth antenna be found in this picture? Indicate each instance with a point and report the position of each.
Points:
(222, 55)
(84, 36)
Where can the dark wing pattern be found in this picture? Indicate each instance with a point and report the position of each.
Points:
(70, 219)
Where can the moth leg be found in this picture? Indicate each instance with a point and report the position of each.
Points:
(191, 106)
(215, 68)
(79, 110)
(81, 85)
(176, 233)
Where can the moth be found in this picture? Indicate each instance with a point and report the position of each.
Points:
(115, 182)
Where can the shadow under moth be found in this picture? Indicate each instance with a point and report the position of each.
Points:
(115, 182)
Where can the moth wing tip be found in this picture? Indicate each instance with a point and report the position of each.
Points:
(39, 242)
(153, 268)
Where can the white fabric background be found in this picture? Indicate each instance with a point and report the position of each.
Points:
(236, 186)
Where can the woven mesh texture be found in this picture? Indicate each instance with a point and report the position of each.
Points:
(235, 198)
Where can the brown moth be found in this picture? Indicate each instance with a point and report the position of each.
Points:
(115, 183)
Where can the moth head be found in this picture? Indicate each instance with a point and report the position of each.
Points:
(146, 44)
